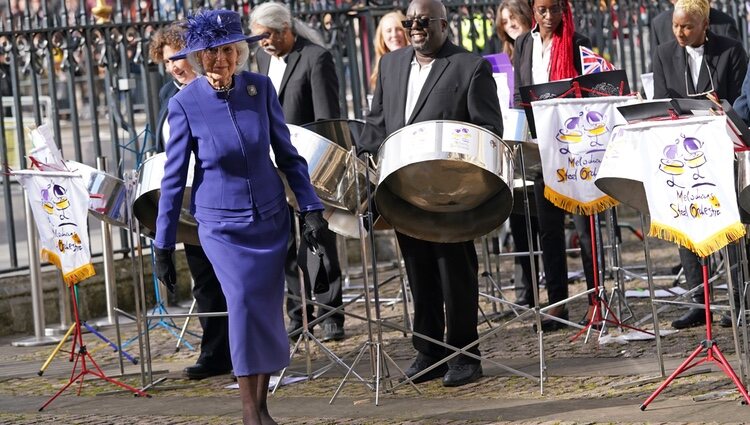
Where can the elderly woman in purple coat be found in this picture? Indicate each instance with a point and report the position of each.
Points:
(230, 121)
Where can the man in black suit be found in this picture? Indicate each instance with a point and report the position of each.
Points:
(697, 61)
(214, 358)
(433, 79)
(305, 79)
(661, 27)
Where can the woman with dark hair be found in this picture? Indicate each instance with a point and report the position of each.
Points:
(512, 19)
(550, 52)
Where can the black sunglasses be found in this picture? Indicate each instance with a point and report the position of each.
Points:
(423, 22)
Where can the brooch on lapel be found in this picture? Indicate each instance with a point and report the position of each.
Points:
(251, 90)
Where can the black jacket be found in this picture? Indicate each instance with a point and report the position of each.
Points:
(310, 88)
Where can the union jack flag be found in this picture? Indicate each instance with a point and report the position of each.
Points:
(593, 63)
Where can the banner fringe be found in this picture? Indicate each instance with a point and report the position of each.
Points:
(703, 248)
(577, 207)
(74, 276)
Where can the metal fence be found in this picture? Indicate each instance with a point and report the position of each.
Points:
(83, 68)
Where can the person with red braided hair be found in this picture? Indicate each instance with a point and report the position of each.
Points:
(550, 52)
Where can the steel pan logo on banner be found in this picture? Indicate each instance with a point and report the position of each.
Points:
(689, 182)
(573, 135)
(60, 204)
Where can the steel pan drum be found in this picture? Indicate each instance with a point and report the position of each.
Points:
(344, 133)
(146, 204)
(444, 181)
(107, 193)
(620, 173)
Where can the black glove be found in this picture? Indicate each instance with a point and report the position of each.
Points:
(164, 267)
(313, 225)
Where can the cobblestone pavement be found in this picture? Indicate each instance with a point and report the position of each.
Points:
(588, 382)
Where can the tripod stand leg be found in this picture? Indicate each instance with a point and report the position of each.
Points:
(728, 371)
(185, 326)
(56, 350)
(685, 365)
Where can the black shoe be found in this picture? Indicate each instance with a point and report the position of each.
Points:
(199, 371)
(295, 326)
(523, 302)
(332, 331)
(725, 321)
(694, 317)
(421, 363)
(549, 325)
(462, 374)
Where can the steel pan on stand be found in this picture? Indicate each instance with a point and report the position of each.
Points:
(620, 173)
(344, 133)
(444, 181)
(146, 203)
(107, 193)
(331, 170)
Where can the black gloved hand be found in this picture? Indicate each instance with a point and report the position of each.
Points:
(313, 224)
(164, 267)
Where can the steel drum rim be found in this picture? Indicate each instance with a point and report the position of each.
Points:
(119, 189)
(447, 226)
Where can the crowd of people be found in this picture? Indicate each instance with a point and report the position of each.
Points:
(228, 119)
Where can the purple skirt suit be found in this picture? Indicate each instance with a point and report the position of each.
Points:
(239, 202)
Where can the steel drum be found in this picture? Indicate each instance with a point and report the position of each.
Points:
(444, 181)
(146, 204)
(344, 133)
(107, 193)
(620, 173)
(743, 184)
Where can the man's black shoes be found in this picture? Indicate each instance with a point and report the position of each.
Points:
(200, 371)
(694, 317)
(421, 363)
(332, 331)
(462, 374)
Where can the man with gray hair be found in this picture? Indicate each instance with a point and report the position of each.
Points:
(303, 73)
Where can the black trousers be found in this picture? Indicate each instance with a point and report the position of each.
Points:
(521, 242)
(552, 236)
(445, 286)
(331, 298)
(209, 298)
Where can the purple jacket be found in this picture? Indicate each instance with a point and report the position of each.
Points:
(231, 135)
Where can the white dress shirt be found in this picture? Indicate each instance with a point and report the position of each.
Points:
(417, 76)
(540, 58)
(276, 68)
(695, 60)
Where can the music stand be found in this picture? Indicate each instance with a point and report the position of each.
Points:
(80, 357)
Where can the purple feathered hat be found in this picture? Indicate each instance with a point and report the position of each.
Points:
(213, 28)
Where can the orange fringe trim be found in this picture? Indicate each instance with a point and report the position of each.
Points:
(703, 248)
(577, 207)
(72, 277)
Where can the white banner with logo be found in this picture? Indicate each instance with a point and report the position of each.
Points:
(573, 135)
(59, 202)
(688, 167)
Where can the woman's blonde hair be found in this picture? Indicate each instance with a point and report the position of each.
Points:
(699, 8)
(379, 42)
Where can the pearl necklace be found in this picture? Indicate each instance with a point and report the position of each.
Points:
(226, 87)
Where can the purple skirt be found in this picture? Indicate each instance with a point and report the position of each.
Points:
(248, 258)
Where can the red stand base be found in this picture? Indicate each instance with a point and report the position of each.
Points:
(713, 354)
(80, 358)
